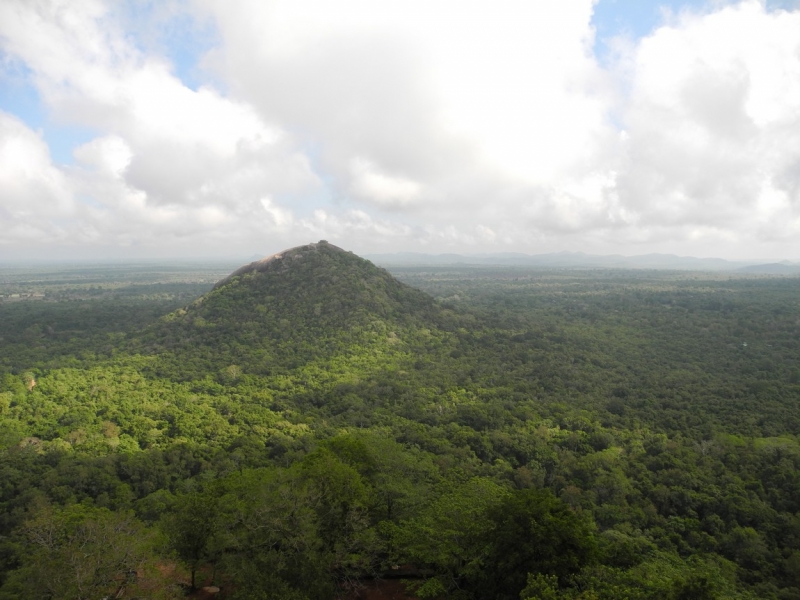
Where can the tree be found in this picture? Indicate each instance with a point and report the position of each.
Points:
(341, 504)
(192, 529)
(85, 553)
(533, 532)
(450, 533)
(274, 541)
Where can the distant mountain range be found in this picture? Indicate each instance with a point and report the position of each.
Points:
(583, 260)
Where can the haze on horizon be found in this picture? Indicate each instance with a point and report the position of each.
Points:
(229, 128)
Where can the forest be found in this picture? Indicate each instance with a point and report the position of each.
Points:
(315, 427)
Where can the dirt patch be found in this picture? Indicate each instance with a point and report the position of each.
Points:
(382, 589)
(209, 592)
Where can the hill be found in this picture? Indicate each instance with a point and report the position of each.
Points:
(317, 285)
(285, 310)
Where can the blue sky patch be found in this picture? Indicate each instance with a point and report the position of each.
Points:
(633, 19)
(19, 97)
(636, 19)
(176, 34)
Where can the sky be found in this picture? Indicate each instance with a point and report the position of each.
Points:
(228, 128)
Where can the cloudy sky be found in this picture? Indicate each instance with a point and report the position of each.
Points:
(200, 128)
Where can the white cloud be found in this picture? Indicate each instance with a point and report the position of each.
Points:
(713, 128)
(279, 217)
(369, 184)
(485, 233)
(406, 96)
(33, 192)
(110, 154)
(174, 162)
(399, 124)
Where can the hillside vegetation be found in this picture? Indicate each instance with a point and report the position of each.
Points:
(312, 425)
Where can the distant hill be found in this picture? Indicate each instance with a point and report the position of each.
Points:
(772, 269)
(562, 260)
(305, 302)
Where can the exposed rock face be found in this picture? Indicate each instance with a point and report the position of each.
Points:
(282, 260)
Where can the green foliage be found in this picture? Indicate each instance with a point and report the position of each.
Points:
(450, 533)
(540, 587)
(431, 588)
(193, 527)
(600, 435)
(533, 532)
(83, 553)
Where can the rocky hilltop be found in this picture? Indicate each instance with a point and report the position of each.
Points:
(283, 261)
(316, 285)
(295, 305)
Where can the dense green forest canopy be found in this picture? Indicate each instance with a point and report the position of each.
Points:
(311, 427)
